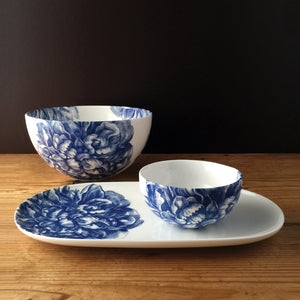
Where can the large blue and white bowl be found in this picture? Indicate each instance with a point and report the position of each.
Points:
(89, 142)
(190, 193)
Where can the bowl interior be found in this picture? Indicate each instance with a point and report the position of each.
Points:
(89, 113)
(190, 174)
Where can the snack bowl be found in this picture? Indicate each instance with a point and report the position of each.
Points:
(89, 142)
(190, 193)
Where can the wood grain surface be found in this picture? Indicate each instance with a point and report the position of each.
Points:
(269, 269)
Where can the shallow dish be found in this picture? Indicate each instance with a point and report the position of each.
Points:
(89, 142)
(131, 224)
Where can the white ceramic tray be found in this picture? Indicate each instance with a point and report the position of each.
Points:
(131, 223)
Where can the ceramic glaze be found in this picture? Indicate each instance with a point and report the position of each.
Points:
(88, 213)
(189, 193)
(73, 142)
(253, 218)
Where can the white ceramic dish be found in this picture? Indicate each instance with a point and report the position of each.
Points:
(89, 142)
(190, 193)
(254, 218)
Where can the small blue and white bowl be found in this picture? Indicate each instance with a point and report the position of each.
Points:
(89, 142)
(190, 193)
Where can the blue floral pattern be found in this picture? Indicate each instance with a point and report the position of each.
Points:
(192, 208)
(85, 150)
(129, 112)
(88, 213)
(64, 113)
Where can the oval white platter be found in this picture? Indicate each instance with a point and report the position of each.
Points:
(131, 224)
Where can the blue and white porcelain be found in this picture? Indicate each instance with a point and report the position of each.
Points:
(89, 142)
(190, 193)
(103, 218)
(81, 213)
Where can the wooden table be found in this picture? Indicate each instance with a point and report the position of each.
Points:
(269, 269)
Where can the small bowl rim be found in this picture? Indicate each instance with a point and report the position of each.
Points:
(239, 175)
(149, 113)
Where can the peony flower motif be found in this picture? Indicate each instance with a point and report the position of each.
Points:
(65, 113)
(191, 207)
(85, 150)
(129, 113)
(90, 213)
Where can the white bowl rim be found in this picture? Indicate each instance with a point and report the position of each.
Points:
(166, 179)
(105, 106)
